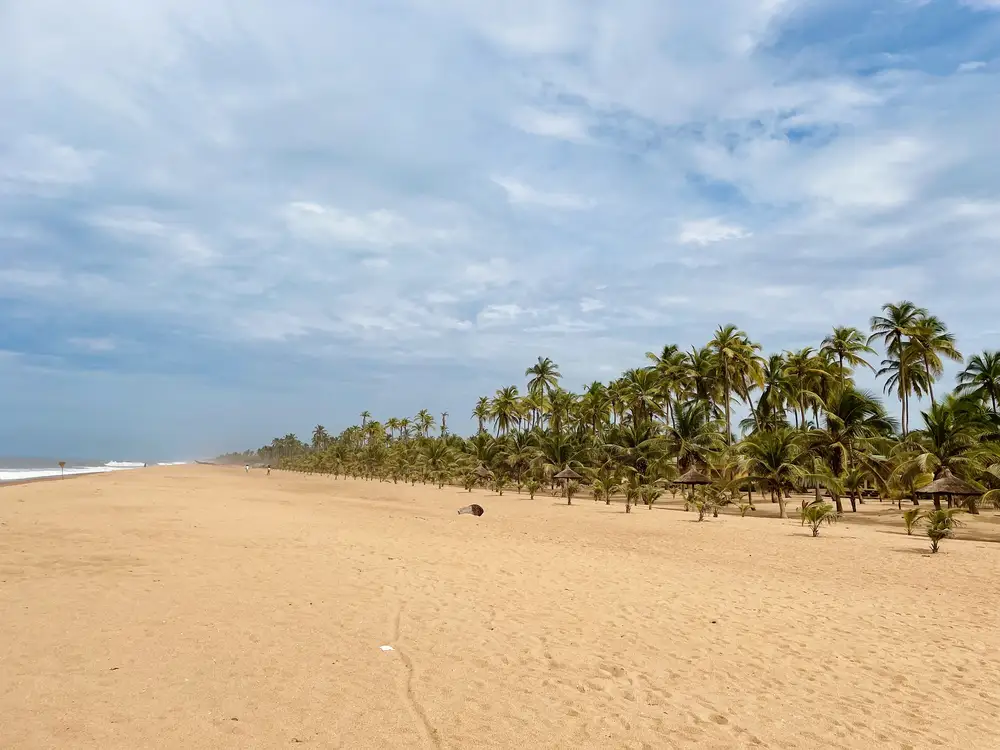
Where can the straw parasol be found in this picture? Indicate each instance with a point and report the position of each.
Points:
(692, 477)
(950, 485)
(566, 474)
(482, 472)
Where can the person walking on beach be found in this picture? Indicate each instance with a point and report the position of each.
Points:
(247, 468)
(269, 469)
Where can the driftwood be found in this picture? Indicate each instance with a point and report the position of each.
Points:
(475, 510)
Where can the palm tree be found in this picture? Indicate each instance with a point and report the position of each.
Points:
(365, 416)
(504, 409)
(931, 338)
(981, 378)
(847, 345)
(425, 422)
(393, 424)
(735, 361)
(482, 412)
(772, 458)
(816, 513)
(941, 524)
(804, 373)
(320, 437)
(444, 423)
(894, 328)
(695, 436)
(544, 377)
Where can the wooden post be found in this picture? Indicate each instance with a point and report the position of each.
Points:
(62, 469)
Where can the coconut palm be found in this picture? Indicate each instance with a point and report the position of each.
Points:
(941, 525)
(735, 363)
(981, 378)
(847, 345)
(773, 458)
(894, 328)
(816, 513)
(482, 412)
(932, 340)
(504, 409)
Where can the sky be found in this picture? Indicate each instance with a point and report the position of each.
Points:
(224, 220)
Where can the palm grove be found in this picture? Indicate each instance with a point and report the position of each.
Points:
(809, 427)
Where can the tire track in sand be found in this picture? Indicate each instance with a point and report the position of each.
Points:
(426, 729)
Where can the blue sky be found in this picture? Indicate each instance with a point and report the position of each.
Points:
(221, 221)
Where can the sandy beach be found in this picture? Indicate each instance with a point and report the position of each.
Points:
(200, 607)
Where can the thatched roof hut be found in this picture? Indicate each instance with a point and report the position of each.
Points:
(566, 474)
(949, 484)
(692, 477)
(482, 472)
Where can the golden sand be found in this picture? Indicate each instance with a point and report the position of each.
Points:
(200, 607)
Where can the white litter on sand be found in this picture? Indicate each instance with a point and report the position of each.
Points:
(386, 648)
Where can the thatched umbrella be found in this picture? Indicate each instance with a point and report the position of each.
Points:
(566, 474)
(949, 486)
(482, 472)
(692, 477)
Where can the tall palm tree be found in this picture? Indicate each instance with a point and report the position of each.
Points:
(504, 409)
(365, 416)
(425, 422)
(482, 412)
(735, 360)
(894, 328)
(803, 374)
(320, 437)
(544, 377)
(981, 378)
(931, 337)
(847, 345)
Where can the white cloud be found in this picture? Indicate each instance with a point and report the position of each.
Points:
(708, 231)
(589, 304)
(968, 67)
(94, 345)
(37, 160)
(140, 228)
(380, 228)
(982, 4)
(562, 126)
(518, 193)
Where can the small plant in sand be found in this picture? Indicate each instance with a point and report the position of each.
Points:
(912, 518)
(941, 524)
(532, 486)
(706, 500)
(650, 494)
(744, 507)
(499, 483)
(469, 481)
(816, 513)
(572, 488)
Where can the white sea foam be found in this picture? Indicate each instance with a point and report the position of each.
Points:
(40, 472)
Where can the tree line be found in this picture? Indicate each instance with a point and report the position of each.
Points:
(809, 426)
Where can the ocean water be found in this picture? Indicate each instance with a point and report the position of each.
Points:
(20, 469)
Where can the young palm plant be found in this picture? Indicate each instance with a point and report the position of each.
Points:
(816, 513)
(941, 524)
(912, 518)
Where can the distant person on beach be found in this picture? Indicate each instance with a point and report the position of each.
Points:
(247, 468)
(269, 469)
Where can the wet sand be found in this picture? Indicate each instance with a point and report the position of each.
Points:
(200, 607)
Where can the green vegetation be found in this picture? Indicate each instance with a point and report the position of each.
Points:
(809, 427)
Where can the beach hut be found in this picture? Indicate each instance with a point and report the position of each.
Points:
(482, 472)
(566, 475)
(692, 477)
(951, 486)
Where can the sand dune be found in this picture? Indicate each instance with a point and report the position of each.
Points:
(199, 607)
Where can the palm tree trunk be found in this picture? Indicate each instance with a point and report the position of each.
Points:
(930, 380)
